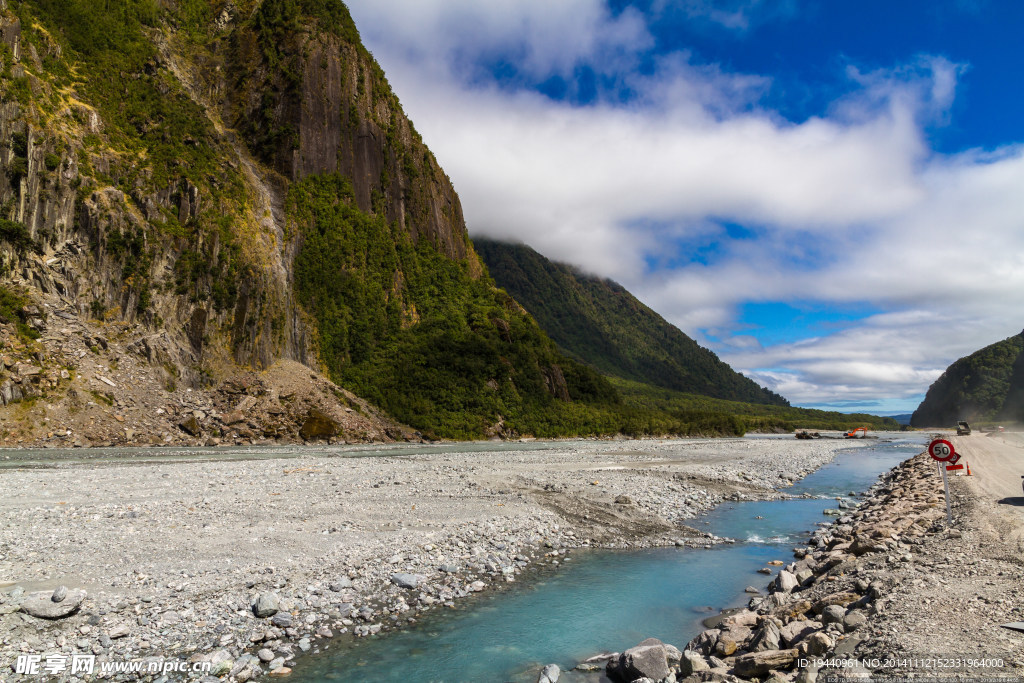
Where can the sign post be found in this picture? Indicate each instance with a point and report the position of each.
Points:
(943, 451)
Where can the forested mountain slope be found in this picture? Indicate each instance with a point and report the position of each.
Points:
(602, 324)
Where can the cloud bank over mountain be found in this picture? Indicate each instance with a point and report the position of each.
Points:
(582, 132)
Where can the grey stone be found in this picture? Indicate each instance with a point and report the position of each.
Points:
(691, 663)
(704, 643)
(221, 663)
(304, 645)
(119, 631)
(846, 646)
(340, 584)
(59, 594)
(266, 655)
(818, 643)
(795, 631)
(803, 576)
(549, 674)
(266, 605)
(42, 606)
(449, 568)
(833, 614)
(407, 580)
(766, 638)
(854, 619)
(785, 582)
(281, 619)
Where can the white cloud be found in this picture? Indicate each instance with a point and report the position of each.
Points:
(850, 207)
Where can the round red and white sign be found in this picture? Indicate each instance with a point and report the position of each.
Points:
(942, 450)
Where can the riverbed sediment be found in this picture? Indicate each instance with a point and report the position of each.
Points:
(246, 564)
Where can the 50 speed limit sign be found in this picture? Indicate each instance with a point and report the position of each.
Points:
(942, 450)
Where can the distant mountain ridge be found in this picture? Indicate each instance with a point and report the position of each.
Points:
(986, 385)
(600, 323)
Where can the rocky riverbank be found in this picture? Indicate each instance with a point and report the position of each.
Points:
(247, 563)
(841, 606)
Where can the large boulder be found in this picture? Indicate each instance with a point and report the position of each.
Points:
(318, 425)
(833, 614)
(266, 605)
(692, 662)
(795, 631)
(704, 643)
(43, 605)
(863, 545)
(549, 674)
(818, 643)
(785, 582)
(649, 659)
(190, 425)
(767, 637)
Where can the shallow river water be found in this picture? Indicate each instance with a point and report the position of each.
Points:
(607, 600)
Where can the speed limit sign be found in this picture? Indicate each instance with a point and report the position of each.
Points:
(942, 450)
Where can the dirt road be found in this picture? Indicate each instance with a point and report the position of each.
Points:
(997, 464)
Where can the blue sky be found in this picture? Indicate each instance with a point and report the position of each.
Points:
(826, 194)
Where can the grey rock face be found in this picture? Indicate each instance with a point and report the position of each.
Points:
(42, 606)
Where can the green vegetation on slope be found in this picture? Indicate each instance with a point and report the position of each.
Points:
(12, 312)
(602, 324)
(986, 385)
(754, 417)
(410, 329)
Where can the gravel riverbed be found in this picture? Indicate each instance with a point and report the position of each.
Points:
(247, 563)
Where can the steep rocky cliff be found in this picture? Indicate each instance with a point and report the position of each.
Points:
(231, 184)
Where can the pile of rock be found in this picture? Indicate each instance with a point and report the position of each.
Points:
(816, 605)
